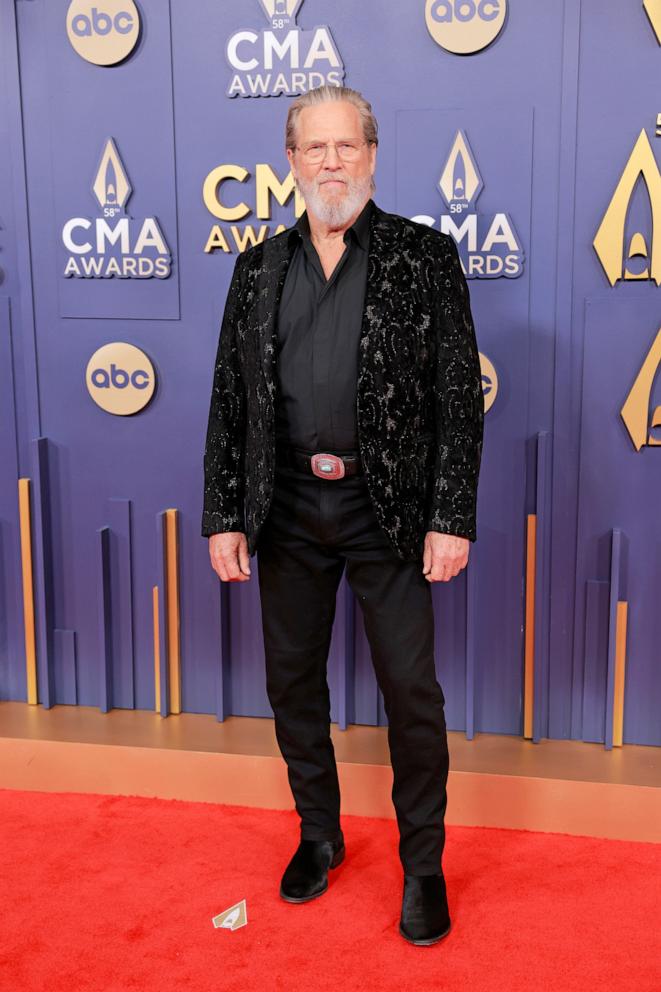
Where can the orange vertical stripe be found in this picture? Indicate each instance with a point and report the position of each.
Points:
(157, 650)
(171, 552)
(28, 589)
(620, 667)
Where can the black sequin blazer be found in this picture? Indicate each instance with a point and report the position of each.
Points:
(420, 404)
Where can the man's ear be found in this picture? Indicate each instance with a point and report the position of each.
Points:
(290, 159)
(373, 159)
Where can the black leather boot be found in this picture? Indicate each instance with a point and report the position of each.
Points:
(425, 915)
(306, 875)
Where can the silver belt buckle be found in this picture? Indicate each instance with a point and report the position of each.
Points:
(327, 466)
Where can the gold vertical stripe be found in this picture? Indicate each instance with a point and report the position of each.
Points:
(529, 657)
(620, 666)
(157, 650)
(171, 551)
(28, 589)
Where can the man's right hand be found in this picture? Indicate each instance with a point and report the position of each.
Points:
(229, 556)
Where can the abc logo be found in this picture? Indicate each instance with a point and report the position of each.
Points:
(120, 378)
(464, 26)
(489, 382)
(104, 32)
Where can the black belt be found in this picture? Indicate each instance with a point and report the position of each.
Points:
(319, 463)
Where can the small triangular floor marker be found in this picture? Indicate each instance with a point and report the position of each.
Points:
(233, 918)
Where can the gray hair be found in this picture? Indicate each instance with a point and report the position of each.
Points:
(326, 94)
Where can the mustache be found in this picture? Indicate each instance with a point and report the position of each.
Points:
(333, 176)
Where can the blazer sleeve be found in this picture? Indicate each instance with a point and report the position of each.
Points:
(224, 482)
(458, 404)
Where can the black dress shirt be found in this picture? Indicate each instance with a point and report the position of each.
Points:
(318, 335)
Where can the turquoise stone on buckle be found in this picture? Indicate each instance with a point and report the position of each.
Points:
(327, 466)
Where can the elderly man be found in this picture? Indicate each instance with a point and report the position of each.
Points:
(345, 430)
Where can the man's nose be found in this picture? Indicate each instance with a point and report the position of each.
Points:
(332, 160)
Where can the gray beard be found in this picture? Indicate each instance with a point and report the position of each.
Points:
(336, 212)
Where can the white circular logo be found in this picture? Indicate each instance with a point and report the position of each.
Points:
(120, 378)
(104, 32)
(489, 382)
(464, 26)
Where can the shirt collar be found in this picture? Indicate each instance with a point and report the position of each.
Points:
(360, 229)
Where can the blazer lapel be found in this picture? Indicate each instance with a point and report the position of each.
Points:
(380, 254)
(270, 281)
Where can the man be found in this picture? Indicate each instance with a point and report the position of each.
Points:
(345, 429)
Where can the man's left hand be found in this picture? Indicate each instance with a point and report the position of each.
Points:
(444, 556)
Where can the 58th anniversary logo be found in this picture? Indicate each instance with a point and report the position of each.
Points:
(113, 243)
(283, 59)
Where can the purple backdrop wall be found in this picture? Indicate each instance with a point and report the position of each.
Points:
(551, 111)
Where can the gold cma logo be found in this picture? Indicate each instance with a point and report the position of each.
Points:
(653, 10)
(636, 410)
(268, 187)
(609, 240)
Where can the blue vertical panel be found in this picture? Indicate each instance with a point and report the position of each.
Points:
(593, 708)
(562, 359)
(223, 665)
(247, 649)
(471, 624)
(12, 635)
(15, 238)
(450, 646)
(618, 572)
(620, 486)
(366, 690)
(23, 425)
(13, 681)
(42, 562)
(594, 468)
(121, 584)
(64, 666)
(86, 104)
(541, 677)
(162, 583)
(346, 661)
(382, 716)
(104, 662)
(343, 634)
(70, 108)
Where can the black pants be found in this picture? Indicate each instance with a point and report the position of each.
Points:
(314, 528)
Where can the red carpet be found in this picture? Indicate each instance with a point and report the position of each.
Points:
(109, 894)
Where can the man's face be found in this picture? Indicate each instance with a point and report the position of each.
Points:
(334, 187)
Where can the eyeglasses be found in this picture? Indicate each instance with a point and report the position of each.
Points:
(348, 151)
